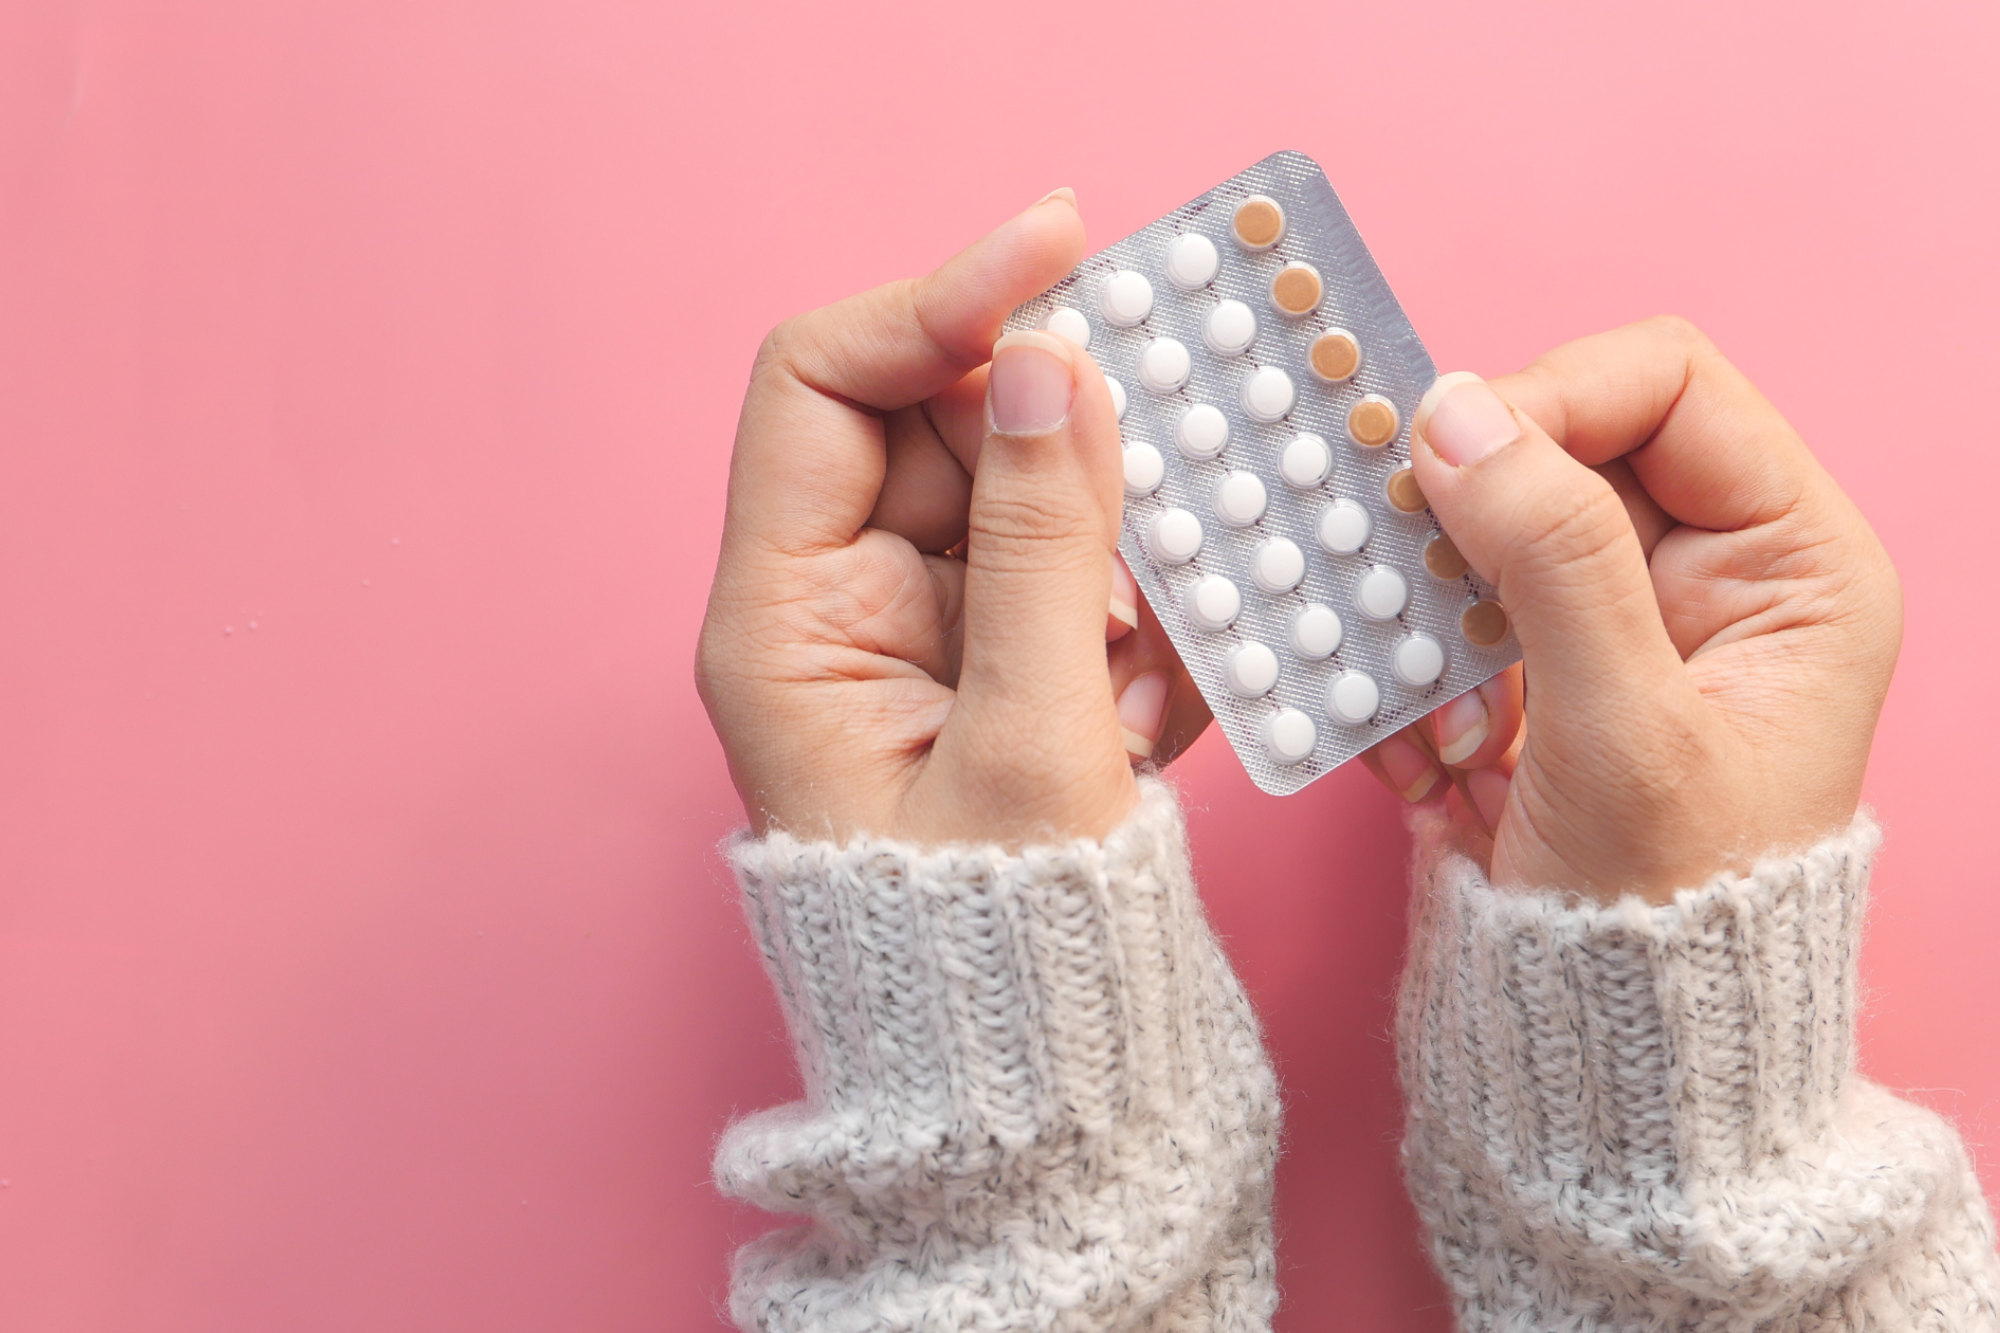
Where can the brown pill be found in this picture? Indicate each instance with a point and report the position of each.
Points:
(1297, 289)
(1442, 559)
(1335, 355)
(1372, 422)
(1404, 493)
(1259, 222)
(1484, 623)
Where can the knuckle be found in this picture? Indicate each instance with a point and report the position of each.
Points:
(1025, 519)
(1679, 329)
(1581, 527)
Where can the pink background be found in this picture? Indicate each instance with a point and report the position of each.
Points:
(367, 376)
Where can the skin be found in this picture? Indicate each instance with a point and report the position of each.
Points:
(907, 633)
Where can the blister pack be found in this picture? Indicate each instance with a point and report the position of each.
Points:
(1265, 378)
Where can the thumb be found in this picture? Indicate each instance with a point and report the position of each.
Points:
(1555, 539)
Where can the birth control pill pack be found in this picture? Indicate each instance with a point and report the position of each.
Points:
(1265, 378)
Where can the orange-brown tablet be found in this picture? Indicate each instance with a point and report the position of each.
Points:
(1297, 289)
(1442, 559)
(1404, 494)
(1372, 422)
(1484, 623)
(1259, 223)
(1335, 356)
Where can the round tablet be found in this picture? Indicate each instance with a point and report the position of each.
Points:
(1418, 660)
(1144, 469)
(1297, 289)
(1382, 593)
(1117, 396)
(1163, 365)
(1229, 329)
(1250, 670)
(1335, 356)
(1192, 262)
(1268, 394)
(1352, 697)
(1240, 499)
(1259, 223)
(1372, 421)
(1212, 602)
(1202, 431)
(1405, 496)
(1315, 632)
(1278, 565)
(1484, 623)
(1126, 298)
(1442, 559)
(1070, 323)
(1343, 527)
(1306, 461)
(1289, 737)
(1174, 537)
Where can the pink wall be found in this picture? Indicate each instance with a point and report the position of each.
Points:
(367, 374)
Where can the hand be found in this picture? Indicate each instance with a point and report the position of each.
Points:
(1707, 624)
(862, 677)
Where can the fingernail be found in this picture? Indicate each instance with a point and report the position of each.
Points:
(1062, 192)
(1142, 709)
(1124, 593)
(1463, 419)
(1461, 727)
(1028, 390)
(1489, 792)
(1410, 770)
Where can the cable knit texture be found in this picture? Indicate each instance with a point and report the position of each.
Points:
(1632, 1117)
(1036, 1097)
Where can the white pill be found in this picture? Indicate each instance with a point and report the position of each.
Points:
(1289, 737)
(1163, 365)
(1352, 697)
(1174, 537)
(1268, 394)
(1117, 396)
(1382, 593)
(1126, 298)
(1418, 660)
(1213, 602)
(1306, 462)
(1278, 565)
(1070, 323)
(1239, 500)
(1343, 527)
(1201, 432)
(1192, 262)
(1144, 469)
(1250, 670)
(1315, 631)
(1229, 329)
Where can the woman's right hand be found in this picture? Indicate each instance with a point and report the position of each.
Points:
(1707, 624)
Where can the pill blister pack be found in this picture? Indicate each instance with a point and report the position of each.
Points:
(1265, 378)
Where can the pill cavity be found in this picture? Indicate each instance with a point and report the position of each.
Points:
(1405, 496)
(1212, 602)
(1297, 289)
(1202, 432)
(1418, 660)
(1163, 365)
(1144, 469)
(1343, 527)
(1314, 632)
(1372, 421)
(1230, 328)
(1278, 565)
(1484, 623)
(1306, 462)
(1268, 394)
(1192, 262)
(1289, 737)
(1259, 223)
(1335, 356)
(1071, 323)
(1250, 670)
(1240, 499)
(1126, 298)
(1174, 536)
(1117, 396)
(1442, 559)
(1382, 593)
(1352, 697)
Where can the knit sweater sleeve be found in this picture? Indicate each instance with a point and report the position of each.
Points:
(1035, 1095)
(1633, 1117)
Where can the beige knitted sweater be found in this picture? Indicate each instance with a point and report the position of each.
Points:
(1036, 1099)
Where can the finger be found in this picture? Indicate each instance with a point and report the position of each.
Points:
(1649, 521)
(948, 582)
(1405, 765)
(1477, 727)
(810, 455)
(1123, 616)
(1157, 721)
